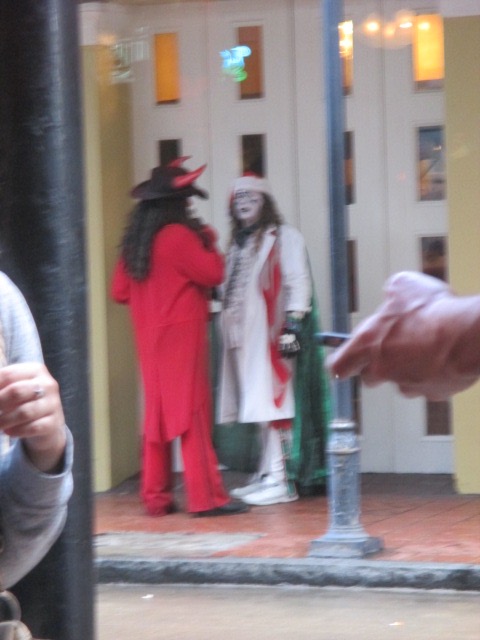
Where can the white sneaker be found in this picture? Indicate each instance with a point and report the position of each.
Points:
(270, 494)
(255, 485)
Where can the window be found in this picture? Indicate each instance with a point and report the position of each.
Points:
(346, 54)
(434, 256)
(431, 163)
(357, 404)
(352, 275)
(252, 86)
(168, 150)
(434, 263)
(428, 52)
(167, 69)
(253, 154)
(349, 168)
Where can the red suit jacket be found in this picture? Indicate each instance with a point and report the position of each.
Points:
(169, 312)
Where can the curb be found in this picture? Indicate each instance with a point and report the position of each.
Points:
(304, 572)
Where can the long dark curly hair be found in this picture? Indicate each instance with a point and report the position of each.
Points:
(146, 219)
(269, 215)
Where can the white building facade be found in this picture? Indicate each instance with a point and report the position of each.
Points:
(397, 211)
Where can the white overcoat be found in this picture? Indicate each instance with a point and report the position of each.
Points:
(246, 380)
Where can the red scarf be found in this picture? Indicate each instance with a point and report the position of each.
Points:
(271, 287)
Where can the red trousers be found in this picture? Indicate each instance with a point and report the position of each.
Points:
(203, 481)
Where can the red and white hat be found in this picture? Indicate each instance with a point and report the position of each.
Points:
(171, 182)
(251, 182)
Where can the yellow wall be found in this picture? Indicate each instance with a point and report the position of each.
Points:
(462, 91)
(108, 176)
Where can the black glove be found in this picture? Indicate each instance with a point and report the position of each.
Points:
(288, 342)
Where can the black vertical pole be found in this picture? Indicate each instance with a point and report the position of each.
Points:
(335, 118)
(42, 234)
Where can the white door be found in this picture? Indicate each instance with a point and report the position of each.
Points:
(389, 220)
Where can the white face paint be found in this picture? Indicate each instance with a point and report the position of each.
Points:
(247, 206)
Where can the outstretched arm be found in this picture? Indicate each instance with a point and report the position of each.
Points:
(423, 337)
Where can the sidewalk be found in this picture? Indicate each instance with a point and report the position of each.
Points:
(431, 539)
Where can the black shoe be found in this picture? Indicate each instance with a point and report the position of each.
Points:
(229, 509)
(163, 511)
(172, 508)
(312, 491)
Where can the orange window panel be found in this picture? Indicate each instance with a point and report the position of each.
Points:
(428, 49)
(167, 68)
(252, 86)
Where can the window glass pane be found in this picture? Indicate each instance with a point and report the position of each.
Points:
(431, 163)
(346, 54)
(169, 150)
(352, 275)
(434, 263)
(253, 154)
(167, 68)
(357, 404)
(434, 256)
(439, 418)
(428, 52)
(252, 86)
(349, 168)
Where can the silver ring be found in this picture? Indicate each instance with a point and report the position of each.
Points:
(39, 392)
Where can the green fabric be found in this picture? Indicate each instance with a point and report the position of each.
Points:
(237, 445)
(307, 464)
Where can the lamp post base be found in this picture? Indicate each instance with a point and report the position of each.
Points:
(345, 537)
(337, 545)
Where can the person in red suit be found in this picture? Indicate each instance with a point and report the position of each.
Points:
(168, 265)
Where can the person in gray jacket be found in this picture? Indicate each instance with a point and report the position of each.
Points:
(36, 446)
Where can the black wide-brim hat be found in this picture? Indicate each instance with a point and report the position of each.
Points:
(170, 182)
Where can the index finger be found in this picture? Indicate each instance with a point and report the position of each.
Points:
(354, 355)
(349, 360)
(19, 371)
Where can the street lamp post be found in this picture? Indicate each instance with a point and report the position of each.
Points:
(345, 537)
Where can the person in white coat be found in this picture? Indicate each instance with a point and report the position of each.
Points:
(266, 294)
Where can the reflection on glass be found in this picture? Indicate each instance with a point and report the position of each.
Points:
(346, 53)
(233, 62)
(167, 68)
(169, 150)
(428, 52)
(431, 163)
(253, 154)
(252, 86)
(434, 263)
